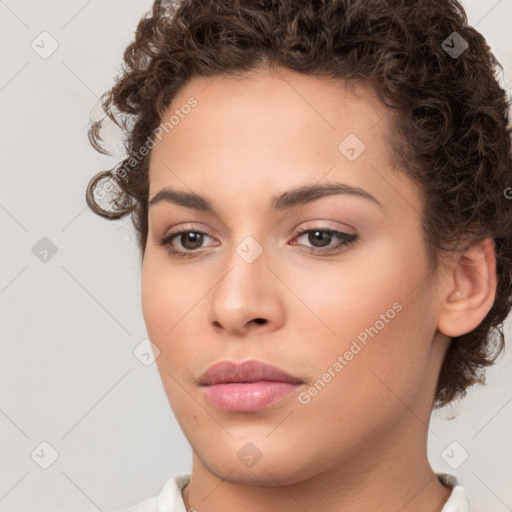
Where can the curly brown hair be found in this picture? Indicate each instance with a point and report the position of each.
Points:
(451, 128)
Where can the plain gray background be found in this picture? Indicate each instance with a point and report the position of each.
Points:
(70, 384)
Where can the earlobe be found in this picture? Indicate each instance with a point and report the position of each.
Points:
(469, 290)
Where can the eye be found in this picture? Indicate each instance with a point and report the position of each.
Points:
(189, 240)
(322, 237)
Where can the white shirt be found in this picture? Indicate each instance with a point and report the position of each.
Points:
(171, 500)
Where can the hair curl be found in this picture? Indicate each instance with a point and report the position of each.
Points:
(453, 136)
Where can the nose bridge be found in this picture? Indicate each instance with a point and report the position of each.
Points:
(248, 245)
(243, 293)
(245, 265)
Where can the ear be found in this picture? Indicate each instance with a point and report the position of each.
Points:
(469, 289)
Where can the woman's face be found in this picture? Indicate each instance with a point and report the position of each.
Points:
(353, 321)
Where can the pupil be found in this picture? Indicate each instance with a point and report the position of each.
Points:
(195, 238)
(325, 238)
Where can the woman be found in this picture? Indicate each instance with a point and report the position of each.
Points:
(319, 194)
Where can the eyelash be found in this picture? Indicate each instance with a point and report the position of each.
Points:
(347, 240)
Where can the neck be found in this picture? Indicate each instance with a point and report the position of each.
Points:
(395, 475)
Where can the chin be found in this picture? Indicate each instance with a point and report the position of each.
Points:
(244, 463)
(272, 473)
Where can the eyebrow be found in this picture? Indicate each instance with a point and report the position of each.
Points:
(297, 196)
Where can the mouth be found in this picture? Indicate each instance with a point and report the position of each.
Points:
(246, 387)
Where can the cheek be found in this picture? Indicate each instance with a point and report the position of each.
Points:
(349, 296)
(154, 303)
(165, 298)
(373, 312)
(361, 380)
(171, 307)
(164, 308)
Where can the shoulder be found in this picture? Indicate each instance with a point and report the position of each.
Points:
(169, 498)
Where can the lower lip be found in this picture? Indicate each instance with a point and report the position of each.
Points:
(248, 396)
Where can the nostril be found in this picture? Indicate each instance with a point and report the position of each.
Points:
(259, 320)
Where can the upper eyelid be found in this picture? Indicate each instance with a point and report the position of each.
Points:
(346, 242)
(297, 232)
(187, 229)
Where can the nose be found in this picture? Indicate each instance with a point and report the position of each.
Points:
(246, 298)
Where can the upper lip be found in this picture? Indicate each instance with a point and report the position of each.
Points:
(247, 371)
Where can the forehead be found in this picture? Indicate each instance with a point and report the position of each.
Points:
(277, 105)
(275, 128)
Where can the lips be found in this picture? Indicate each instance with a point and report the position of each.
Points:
(246, 387)
(248, 371)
